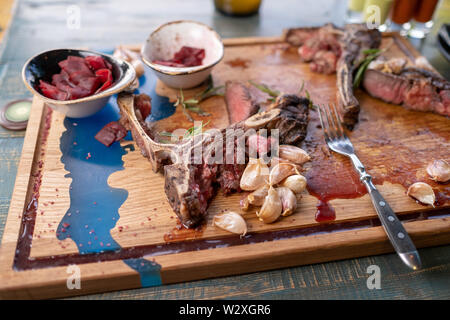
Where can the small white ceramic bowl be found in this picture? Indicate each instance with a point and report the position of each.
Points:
(45, 64)
(167, 39)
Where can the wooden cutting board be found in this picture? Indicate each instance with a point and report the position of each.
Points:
(81, 209)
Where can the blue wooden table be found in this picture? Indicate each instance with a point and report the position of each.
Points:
(41, 25)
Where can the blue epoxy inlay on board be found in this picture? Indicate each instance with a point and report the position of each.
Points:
(94, 205)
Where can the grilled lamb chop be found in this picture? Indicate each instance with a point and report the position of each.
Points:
(414, 88)
(330, 49)
(191, 181)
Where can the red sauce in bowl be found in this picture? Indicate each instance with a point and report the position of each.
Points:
(185, 57)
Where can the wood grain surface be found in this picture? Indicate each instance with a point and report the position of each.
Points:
(343, 279)
(146, 219)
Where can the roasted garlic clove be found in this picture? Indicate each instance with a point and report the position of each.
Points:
(260, 119)
(255, 175)
(293, 154)
(296, 182)
(422, 192)
(232, 222)
(439, 170)
(272, 207)
(281, 171)
(258, 196)
(288, 200)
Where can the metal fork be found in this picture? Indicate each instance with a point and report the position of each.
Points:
(338, 141)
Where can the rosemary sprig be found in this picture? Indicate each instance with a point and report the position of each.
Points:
(209, 92)
(190, 132)
(302, 87)
(193, 103)
(370, 55)
(264, 88)
(310, 105)
(180, 101)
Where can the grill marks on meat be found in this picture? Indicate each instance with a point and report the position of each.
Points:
(414, 88)
(239, 102)
(191, 185)
(330, 49)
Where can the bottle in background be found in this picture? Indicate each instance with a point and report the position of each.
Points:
(422, 19)
(376, 13)
(240, 8)
(402, 13)
(355, 11)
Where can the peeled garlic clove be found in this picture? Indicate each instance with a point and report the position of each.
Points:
(288, 200)
(439, 170)
(281, 171)
(260, 119)
(272, 207)
(422, 192)
(232, 222)
(255, 175)
(293, 154)
(258, 196)
(296, 182)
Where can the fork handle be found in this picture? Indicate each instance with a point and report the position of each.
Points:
(395, 231)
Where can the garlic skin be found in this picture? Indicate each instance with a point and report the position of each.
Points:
(272, 207)
(132, 57)
(439, 170)
(258, 196)
(293, 154)
(288, 201)
(296, 182)
(422, 192)
(260, 119)
(138, 67)
(232, 222)
(281, 171)
(244, 204)
(255, 175)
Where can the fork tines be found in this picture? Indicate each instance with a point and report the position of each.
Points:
(331, 122)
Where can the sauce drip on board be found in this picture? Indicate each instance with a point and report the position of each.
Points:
(392, 151)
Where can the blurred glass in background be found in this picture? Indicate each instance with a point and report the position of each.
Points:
(238, 8)
(410, 17)
(377, 11)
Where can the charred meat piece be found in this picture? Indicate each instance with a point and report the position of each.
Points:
(293, 119)
(414, 88)
(330, 49)
(191, 181)
(239, 102)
